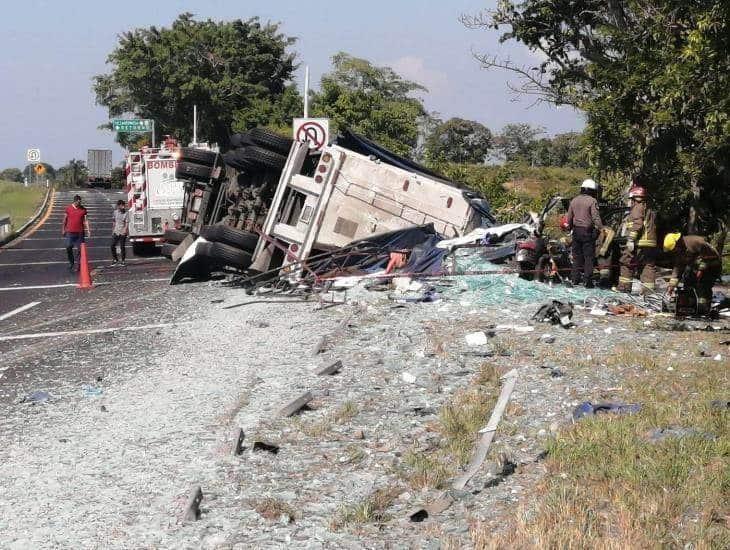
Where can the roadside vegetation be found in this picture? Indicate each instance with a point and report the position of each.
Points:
(610, 484)
(19, 201)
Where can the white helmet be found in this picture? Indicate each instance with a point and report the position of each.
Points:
(589, 184)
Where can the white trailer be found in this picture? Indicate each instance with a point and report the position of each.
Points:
(351, 196)
(99, 167)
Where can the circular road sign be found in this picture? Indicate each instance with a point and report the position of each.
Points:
(313, 132)
(33, 155)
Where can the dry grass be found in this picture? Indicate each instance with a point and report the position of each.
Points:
(608, 486)
(346, 412)
(319, 428)
(371, 510)
(426, 471)
(274, 509)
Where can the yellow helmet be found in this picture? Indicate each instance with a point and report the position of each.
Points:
(670, 241)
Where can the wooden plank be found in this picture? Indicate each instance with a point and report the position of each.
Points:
(319, 345)
(488, 431)
(192, 508)
(237, 442)
(329, 369)
(293, 406)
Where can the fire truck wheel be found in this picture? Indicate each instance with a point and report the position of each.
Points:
(197, 172)
(271, 141)
(262, 157)
(175, 236)
(223, 254)
(241, 140)
(242, 240)
(168, 249)
(200, 156)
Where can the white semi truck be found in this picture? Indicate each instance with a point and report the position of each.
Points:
(99, 167)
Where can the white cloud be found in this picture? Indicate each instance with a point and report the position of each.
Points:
(414, 68)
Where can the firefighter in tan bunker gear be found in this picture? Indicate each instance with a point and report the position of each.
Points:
(641, 244)
(698, 264)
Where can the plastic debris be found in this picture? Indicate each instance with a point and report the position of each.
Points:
(516, 328)
(91, 391)
(476, 339)
(547, 338)
(718, 357)
(589, 409)
(37, 397)
(555, 312)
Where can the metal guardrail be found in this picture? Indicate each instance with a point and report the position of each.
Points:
(10, 237)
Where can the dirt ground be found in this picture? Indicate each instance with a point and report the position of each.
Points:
(109, 461)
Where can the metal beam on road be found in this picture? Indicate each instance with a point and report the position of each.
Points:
(153, 259)
(66, 285)
(17, 310)
(90, 331)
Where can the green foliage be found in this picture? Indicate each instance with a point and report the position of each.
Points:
(372, 101)
(237, 72)
(517, 141)
(12, 174)
(459, 140)
(29, 172)
(653, 79)
(118, 179)
(73, 174)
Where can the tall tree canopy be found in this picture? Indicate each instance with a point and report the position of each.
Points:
(373, 101)
(459, 140)
(517, 141)
(12, 174)
(73, 174)
(238, 73)
(653, 78)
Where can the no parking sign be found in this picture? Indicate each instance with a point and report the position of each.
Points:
(314, 130)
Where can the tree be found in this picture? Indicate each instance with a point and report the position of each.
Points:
(118, 179)
(653, 79)
(517, 141)
(237, 72)
(11, 174)
(73, 174)
(373, 101)
(459, 140)
(29, 172)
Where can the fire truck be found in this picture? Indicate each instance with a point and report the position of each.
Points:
(154, 195)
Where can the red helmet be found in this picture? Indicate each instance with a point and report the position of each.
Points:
(637, 192)
(564, 225)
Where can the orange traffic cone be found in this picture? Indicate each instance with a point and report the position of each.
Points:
(84, 274)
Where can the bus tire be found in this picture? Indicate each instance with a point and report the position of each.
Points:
(243, 240)
(200, 156)
(271, 140)
(222, 254)
(262, 157)
(197, 172)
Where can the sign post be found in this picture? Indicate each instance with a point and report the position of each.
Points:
(32, 156)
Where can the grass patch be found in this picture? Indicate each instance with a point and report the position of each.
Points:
(318, 428)
(273, 509)
(370, 510)
(19, 201)
(426, 471)
(346, 412)
(609, 486)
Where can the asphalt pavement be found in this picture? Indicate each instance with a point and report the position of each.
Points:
(39, 295)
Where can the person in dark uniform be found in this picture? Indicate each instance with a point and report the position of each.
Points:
(697, 262)
(585, 222)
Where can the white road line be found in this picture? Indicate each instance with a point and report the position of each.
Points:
(89, 331)
(20, 309)
(62, 285)
(62, 248)
(152, 259)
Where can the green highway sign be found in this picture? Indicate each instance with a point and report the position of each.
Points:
(133, 125)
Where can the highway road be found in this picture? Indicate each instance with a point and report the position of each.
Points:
(39, 297)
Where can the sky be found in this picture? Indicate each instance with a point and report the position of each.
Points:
(52, 49)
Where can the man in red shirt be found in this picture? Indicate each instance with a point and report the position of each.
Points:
(75, 223)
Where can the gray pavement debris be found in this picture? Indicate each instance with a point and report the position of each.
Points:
(328, 369)
(192, 508)
(238, 436)
(295, 405)
(319, 345)
(424, 411)
(556, 373)
(555, 312)
(217, 301)
(547, 339)
(37, 397)
(661, 434)
(476, 339)
(587, 408)
(267, 447)
(258, 324)
(102, 409)
(720, 404)
(359, 434)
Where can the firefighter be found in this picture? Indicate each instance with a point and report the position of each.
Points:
(697, 262)
(640, 251)
(585, 221)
